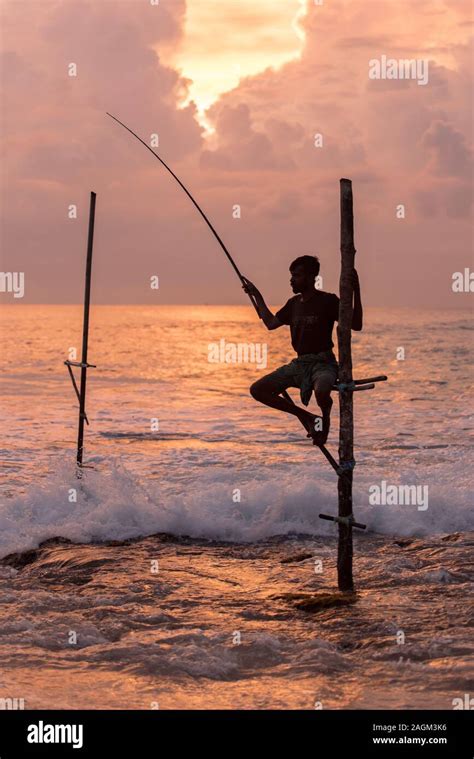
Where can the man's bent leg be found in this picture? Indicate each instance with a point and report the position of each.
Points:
(323, 385)
(267, 390)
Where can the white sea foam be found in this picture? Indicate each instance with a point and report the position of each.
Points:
(113, 504)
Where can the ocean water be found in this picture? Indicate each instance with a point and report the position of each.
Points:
(185, 468)
(212, 437)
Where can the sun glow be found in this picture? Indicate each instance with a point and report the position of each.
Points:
(227, 40)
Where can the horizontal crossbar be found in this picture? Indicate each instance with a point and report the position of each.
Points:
(80, 364)
(348, 521)
(359, 384)
(379, 378)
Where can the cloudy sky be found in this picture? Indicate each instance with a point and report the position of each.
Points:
(236, 91)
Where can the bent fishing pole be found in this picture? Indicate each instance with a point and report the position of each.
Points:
(196, 204)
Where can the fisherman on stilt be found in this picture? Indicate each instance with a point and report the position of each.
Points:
(310, 314)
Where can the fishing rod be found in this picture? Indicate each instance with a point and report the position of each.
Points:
(229, 257)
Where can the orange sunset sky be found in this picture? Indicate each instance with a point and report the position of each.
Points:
(236, 91)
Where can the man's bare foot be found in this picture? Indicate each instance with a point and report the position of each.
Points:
(322, 435)
(319, 438)
(314, 426)
(320, 428)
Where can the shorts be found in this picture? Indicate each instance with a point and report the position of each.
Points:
(324, 373)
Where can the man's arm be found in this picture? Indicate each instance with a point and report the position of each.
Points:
(357, 315)
(269, 319)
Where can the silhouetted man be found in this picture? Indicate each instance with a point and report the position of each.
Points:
(310, 314)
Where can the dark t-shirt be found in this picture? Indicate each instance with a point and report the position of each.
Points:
(311, 323)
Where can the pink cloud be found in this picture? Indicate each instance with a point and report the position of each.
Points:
(450, 155)
(400, 144)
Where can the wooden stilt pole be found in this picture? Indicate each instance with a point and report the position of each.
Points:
(346, 430)
(85, 337)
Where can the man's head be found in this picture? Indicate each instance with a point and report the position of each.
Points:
(304, 271)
